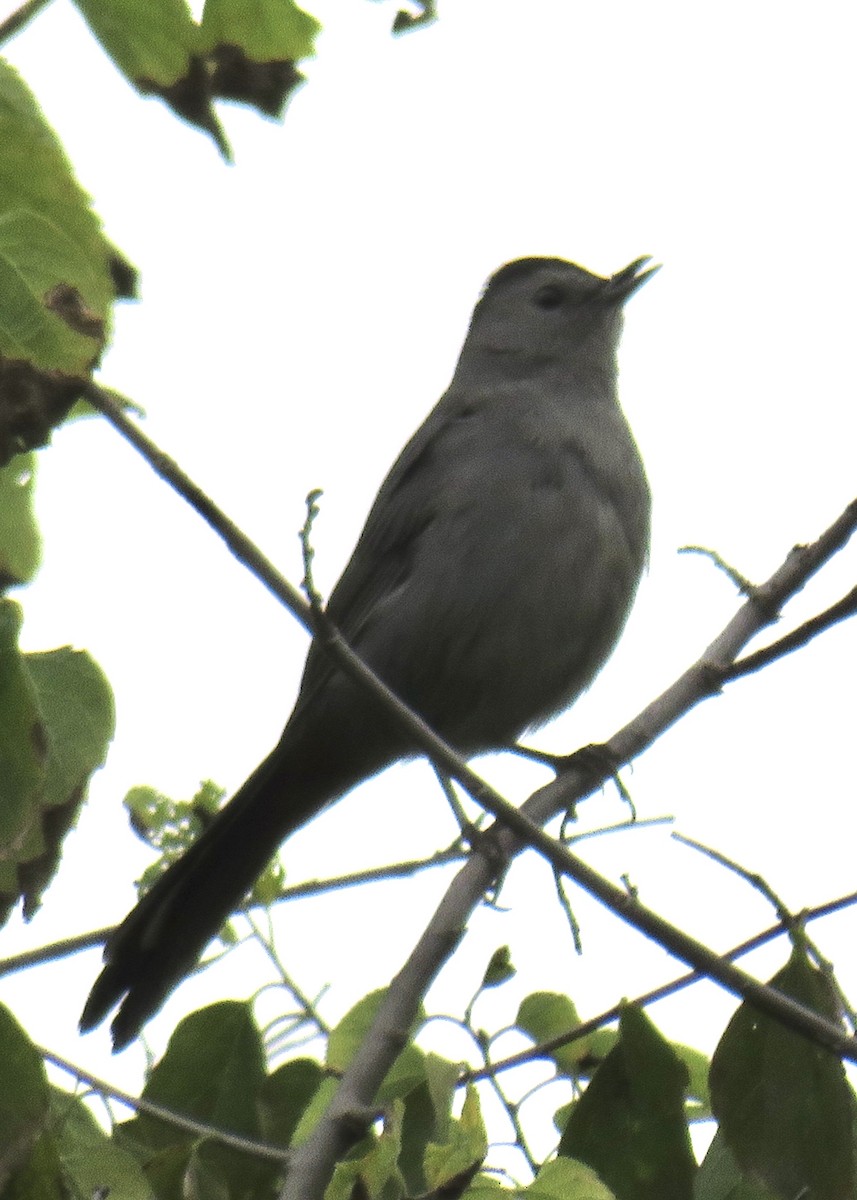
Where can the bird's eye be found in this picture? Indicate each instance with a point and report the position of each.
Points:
(549, 296)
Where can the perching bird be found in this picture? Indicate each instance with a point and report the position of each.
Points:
(493, 576)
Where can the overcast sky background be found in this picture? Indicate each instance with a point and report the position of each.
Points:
(302, 310)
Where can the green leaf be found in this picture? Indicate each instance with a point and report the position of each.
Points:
(214, 1071)
(698, 1103)
(56, 288)
(49, 236)
(253, 49)
(566, 1179)
(720, 1178)
(285, 1097)
(76, 706)
(40, 1176)
(171, 826)
(442, 1080)
(264, 29)
(783, 1104)
(486, 1187)
(546, 1015)
(259, 79)
(315, 1110)
(594, 1049)
(23, 1096)
(427, 1117)
(56, 721)
(374, 1173)
(629, 1125)
(90, 1159)
(171, 1171)
(463, 1151)
(155, 44)
(20, 544)
(269, 886)
(345, 1039)
(406, 1073)
(23, 750)
(152, 40)
(500, 968)
(214, 1172)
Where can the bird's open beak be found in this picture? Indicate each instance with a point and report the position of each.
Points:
(625, 282)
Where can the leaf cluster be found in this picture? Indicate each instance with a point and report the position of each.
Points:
(215, 1121)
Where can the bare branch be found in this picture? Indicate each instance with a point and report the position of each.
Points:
(741, 582)
(55, 950)
(309, 1007)
(178, 1120)
(753, 878)
(840, 611)
(22, 16)
(110, 405)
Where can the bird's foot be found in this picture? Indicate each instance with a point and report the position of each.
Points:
(597, 761)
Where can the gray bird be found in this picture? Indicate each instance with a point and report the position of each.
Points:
(493, 576)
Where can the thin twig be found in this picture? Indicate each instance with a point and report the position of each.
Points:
(568, 912)
(468, 830)
(512, 1110)
(753, 878)
(628, 826)
(177, 1120)
(19, 18)
(402, 870)
(55, 950)
(792, 922)
(311, 1013)
(236, 540)
(308, 584)
(741, 582)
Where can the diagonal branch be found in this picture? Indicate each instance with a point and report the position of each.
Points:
(199, 1129)
(22, 16)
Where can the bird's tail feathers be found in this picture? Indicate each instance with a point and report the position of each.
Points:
(163, 936)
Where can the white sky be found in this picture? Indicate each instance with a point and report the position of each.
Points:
(301, 312)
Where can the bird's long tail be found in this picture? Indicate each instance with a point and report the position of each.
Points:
(161, 939)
